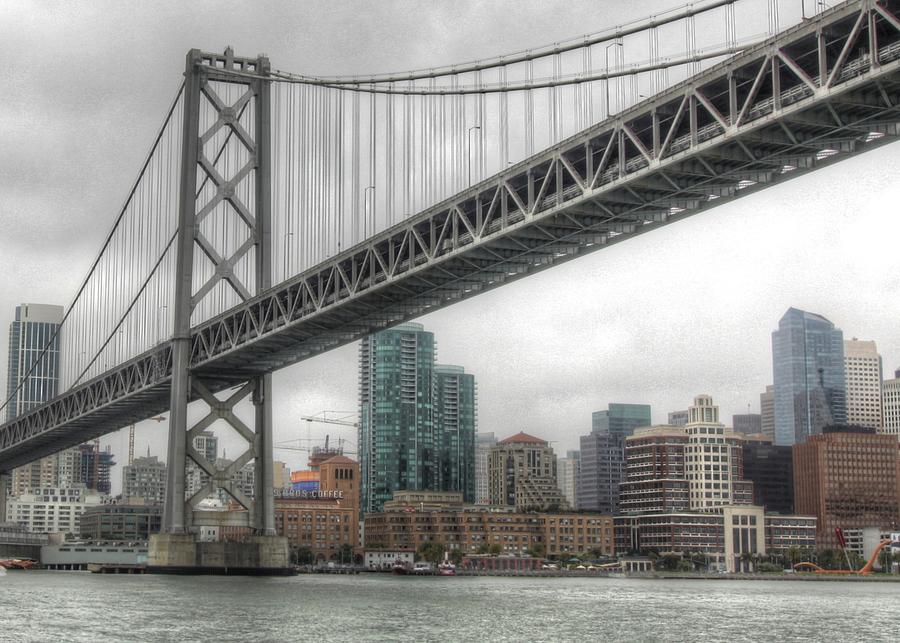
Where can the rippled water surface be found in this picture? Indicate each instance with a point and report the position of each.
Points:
(78, 606)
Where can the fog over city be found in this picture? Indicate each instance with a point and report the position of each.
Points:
(685, 309)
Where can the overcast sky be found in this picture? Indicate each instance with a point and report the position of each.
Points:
(683, 310)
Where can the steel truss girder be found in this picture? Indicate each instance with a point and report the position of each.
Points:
(687, 149)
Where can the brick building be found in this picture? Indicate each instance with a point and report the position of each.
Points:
(849, 477)
(471, 528)
(323, 520)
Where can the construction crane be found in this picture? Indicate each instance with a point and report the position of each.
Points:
(324, 419)
(158, 418)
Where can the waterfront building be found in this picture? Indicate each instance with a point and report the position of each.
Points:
(424, 500)
(747, 423)
(417, 419)
(32, 377)
(890, 394)
(677, 418)
(603, 455)
(48, 510)
(455, 426)
(567, 473)
(484, 442)
(863, 377)
(145, 479)
(323, 520)
(79, 555)
(767, 412)
(847, 477)
(118, 522)
(523, 474)
(654, 479)
(720, 538)
(472, 529)
(770, 468)
(808, 367)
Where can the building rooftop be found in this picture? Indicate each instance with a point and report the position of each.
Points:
(522, 438)
(339, 459)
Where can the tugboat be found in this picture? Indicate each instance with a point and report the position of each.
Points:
(399, 568)
(446, 568)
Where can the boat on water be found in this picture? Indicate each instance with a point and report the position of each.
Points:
(400, 568)
(2, 571)
(17, 563)
(446, 568)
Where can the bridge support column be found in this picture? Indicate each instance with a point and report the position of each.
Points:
(219, 89)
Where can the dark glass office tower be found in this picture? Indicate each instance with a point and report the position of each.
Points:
(603, 456)
(808, 367)
(454, 422)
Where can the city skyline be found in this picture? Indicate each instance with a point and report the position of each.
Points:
(650, 321)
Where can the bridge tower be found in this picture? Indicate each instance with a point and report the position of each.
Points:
(225, 213)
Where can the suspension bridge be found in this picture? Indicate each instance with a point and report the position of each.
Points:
(281, 215)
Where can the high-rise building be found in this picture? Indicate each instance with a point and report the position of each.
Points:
(863, 376)
(678, 418)
(206, 444)
(747, 423)
(281, 475)
(771, 470)
(484, 442)
(93, 467)
(33, 378)
(847, 477)
(621, 419)
(417, 419)
(808, 365)
(713, 459)
(603, 456)
(567, 472)
(767, 412)
(144, 478)
(654, 480)
(455, 427)
(523, 474)
(890, 400)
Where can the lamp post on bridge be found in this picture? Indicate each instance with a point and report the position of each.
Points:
(469, 151)
(608, 47)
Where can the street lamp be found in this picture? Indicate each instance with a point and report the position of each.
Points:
(368, 209)
(469, 151)
(608, 47)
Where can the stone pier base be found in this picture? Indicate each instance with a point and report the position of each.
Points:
(182, 554)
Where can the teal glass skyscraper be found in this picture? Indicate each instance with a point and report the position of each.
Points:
(808, 369)
(454, 415)
(416, 419)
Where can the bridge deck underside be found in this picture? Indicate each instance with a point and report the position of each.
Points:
(809, 98)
